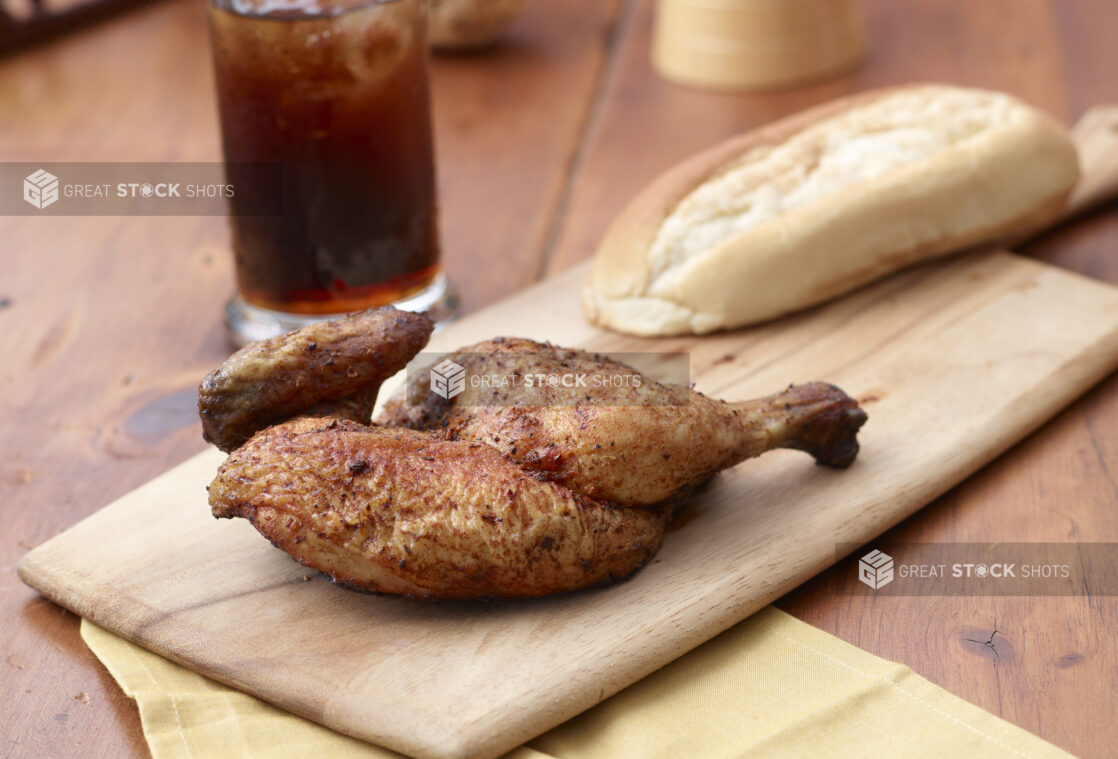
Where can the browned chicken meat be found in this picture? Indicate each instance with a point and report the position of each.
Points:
(490, 496)
(633, 445)
(403, 512)
(332, 368)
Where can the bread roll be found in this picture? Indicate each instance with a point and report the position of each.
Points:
(815, 205)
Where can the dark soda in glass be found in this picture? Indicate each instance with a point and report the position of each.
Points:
(336, 93)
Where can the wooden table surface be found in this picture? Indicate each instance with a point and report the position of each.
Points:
(107, 324)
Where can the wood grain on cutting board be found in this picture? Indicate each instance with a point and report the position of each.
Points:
(955, 361)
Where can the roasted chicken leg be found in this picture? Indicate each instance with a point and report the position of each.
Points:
(403, 512)
(630, 445)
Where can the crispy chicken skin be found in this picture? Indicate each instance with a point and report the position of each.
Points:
(403, 512)
(332, 368)
(483, 496)
(632, 445)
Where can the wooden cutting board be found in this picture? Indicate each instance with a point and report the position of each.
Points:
(954, 362)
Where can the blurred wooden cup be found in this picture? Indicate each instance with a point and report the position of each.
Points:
(755, 44)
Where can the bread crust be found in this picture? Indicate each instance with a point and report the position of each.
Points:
(1000, 181)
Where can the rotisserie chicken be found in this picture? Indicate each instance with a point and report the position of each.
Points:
(482, 500)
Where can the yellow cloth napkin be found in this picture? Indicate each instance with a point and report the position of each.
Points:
(771, 686)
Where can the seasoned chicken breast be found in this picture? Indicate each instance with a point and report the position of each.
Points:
(399, 511)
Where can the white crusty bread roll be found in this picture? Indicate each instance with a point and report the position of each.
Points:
(815, 205)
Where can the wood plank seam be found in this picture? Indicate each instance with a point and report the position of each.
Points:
(590, 122)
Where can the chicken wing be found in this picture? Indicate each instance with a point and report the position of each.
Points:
(630, 445)
(399, 511)
(332, 368)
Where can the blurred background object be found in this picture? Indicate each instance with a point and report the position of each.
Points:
(755, 44)
(470, 24)
(24, 21)
(454, 25)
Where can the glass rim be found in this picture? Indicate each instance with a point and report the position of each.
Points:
(299, 10)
